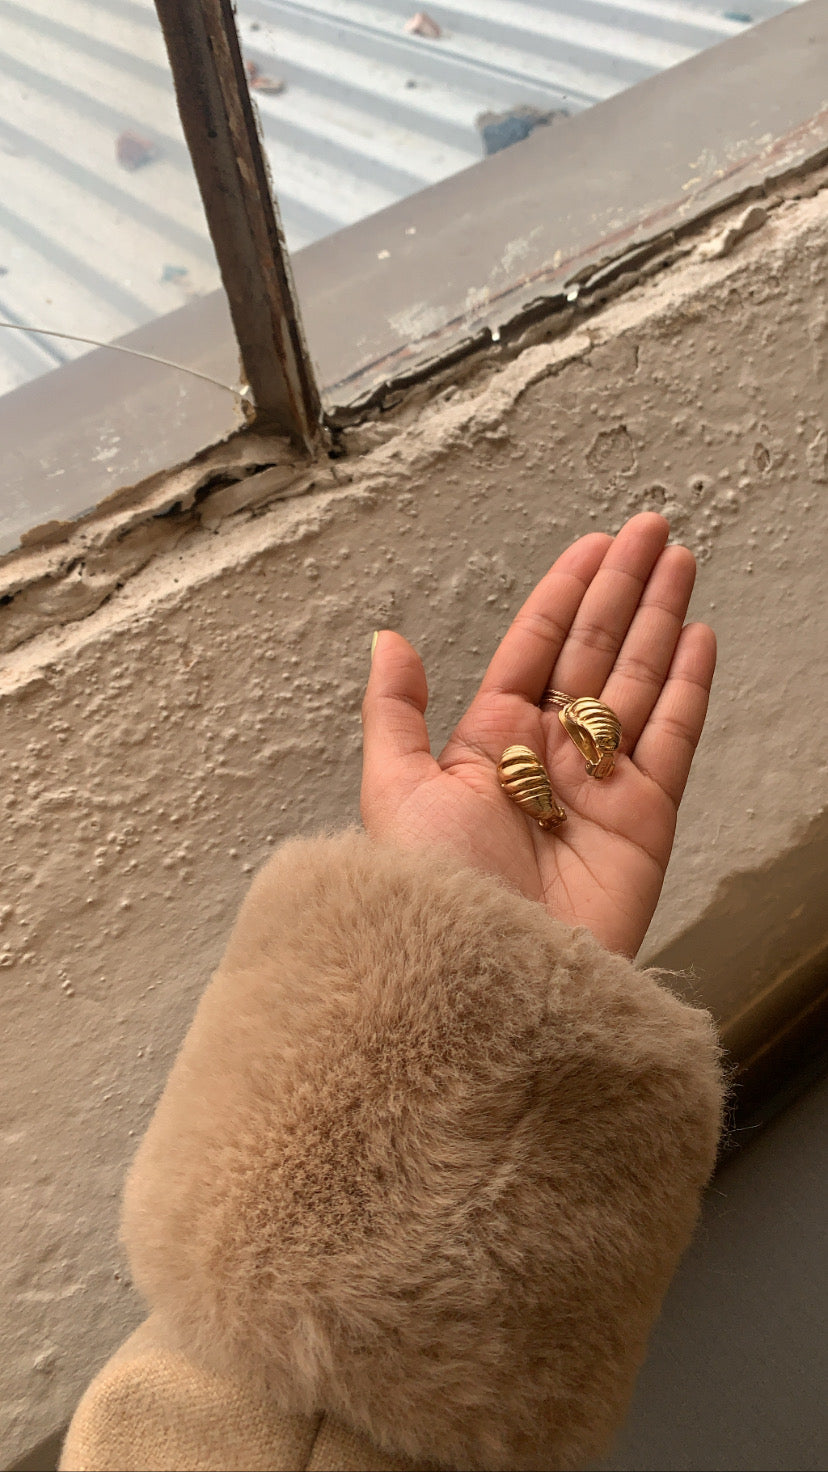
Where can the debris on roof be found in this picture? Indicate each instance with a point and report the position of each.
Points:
(259, 81)
(422, 24)
(501, 129)
(132, 150)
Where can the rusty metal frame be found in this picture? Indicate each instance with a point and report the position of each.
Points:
(223, 138)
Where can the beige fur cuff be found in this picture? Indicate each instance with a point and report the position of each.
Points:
(426, 1161)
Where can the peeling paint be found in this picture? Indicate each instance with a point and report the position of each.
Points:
(726, 240)
(418, 321)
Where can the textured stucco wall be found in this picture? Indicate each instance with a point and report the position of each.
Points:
(154, 751)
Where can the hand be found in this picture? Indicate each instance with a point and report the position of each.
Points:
(606, 621)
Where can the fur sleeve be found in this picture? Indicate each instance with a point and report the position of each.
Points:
(426, 1161)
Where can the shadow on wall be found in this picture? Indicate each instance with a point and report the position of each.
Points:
(756, 955)
(43, 1457)
(735, 1371)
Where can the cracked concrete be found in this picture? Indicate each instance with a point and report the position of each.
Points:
(187, 694)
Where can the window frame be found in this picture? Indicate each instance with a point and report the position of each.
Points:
(749, 112)
(242, 213)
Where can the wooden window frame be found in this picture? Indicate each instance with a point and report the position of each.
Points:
(242, 213)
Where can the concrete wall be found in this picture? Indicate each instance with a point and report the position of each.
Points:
(156, 749)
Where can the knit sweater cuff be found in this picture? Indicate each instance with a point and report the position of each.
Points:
(426, 1161)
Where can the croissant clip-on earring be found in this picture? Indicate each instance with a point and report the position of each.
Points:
(593, 726)
(525, 780)
(596, 731)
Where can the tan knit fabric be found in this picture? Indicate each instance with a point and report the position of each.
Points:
(336, 1449)
(152, 1410)
(427, 1160)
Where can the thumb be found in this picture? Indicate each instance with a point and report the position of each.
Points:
(395, 736)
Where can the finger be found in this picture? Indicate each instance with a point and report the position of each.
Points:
(393, 713)
(644, 659)
(668, 742)
(609, 605)
(527, 652)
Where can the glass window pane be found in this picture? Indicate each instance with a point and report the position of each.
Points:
(101, 224)
(364, 104)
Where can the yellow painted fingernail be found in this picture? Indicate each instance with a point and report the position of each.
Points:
(374, 638)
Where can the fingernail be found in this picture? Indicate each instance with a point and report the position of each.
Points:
(374, 638)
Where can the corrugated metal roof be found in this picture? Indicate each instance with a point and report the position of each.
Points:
(368, 114)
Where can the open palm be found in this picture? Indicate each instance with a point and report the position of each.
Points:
(606, 620)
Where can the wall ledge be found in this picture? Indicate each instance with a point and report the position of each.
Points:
(66, 572)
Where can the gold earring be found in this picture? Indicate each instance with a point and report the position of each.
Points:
(596, 731)
(525, 780)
